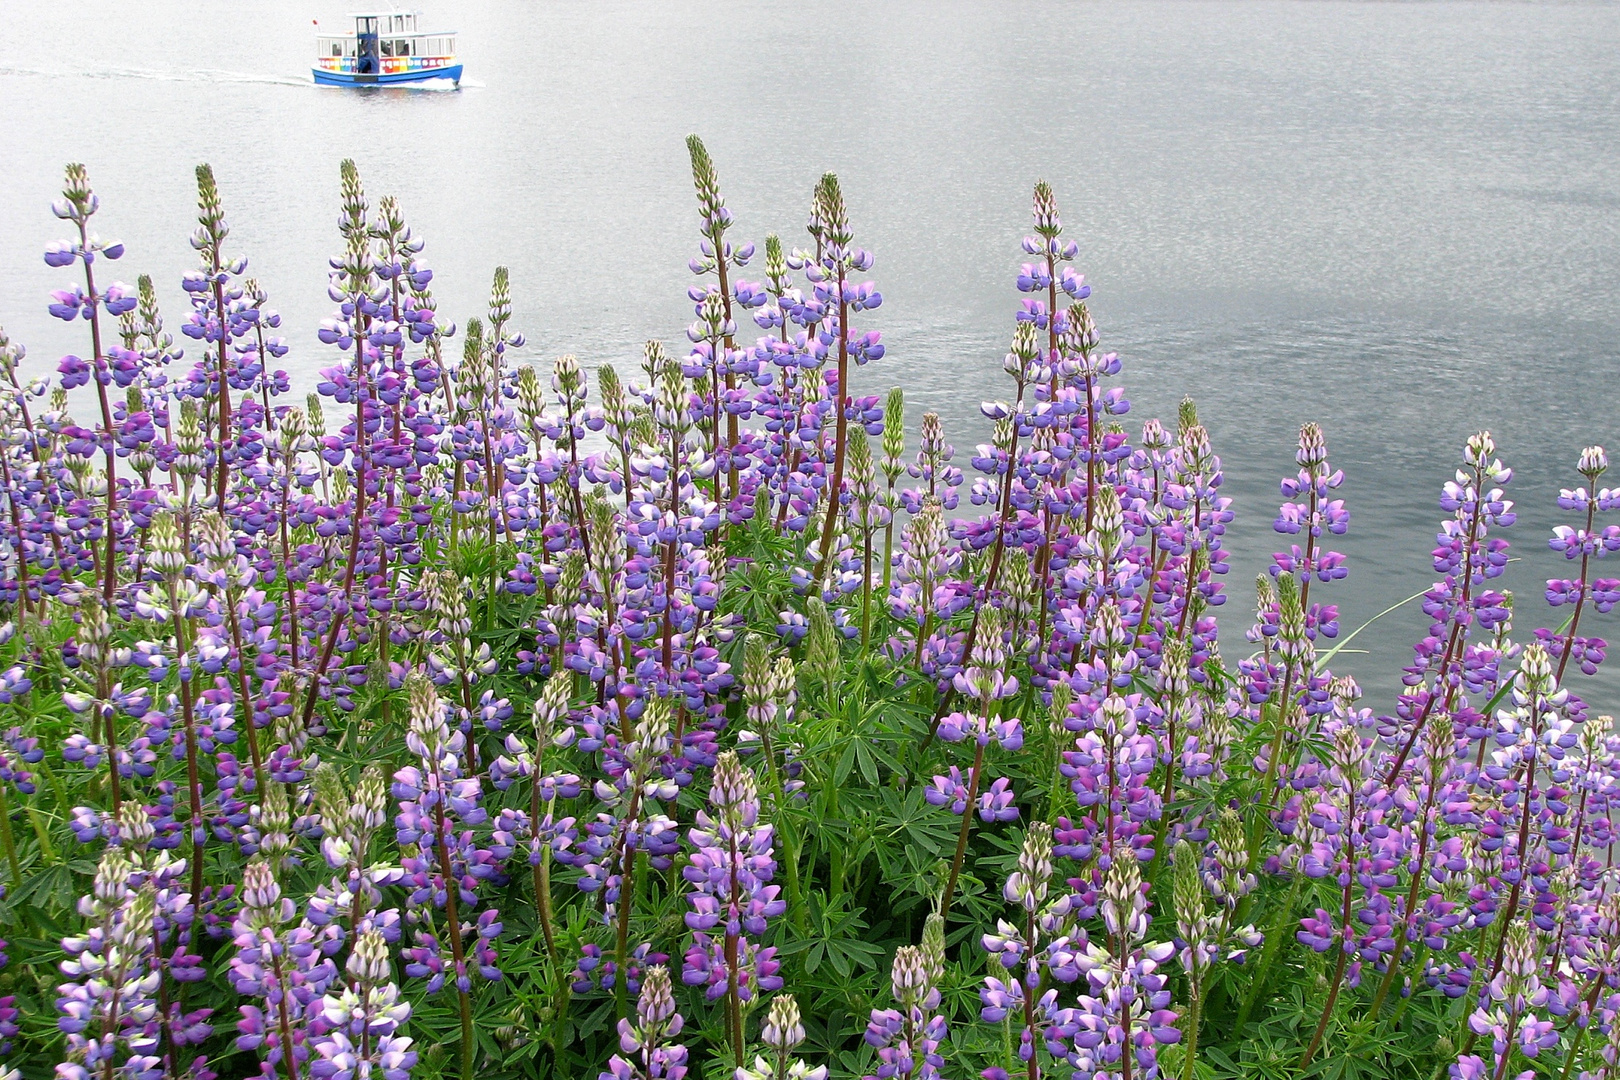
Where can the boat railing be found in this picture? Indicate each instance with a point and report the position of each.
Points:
(396, 52)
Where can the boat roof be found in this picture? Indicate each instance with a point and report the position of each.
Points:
(389, 13)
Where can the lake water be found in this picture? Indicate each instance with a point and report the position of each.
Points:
(1400, 220)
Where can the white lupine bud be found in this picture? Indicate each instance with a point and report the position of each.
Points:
(368, 963)
(1593, 462)
(275, 821)
(135, 829)
(1047, 223)
(1109, 630)
(1173, 674)
(1439, 743)
(909, 978)
(652, 730)
(1234, 880)
(1027, 885)
(214, 541)
(1124, 907)
(783, 1029)
(657, 1001)
(164, 552)
(260, 890)
(369, 811)
(134, 934)
(112, 876)
(1312, 451)
(1195, 445)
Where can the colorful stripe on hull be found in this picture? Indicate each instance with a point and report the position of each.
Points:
(345, 78)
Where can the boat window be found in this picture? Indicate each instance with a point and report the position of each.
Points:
(337, 49)
(388, 47)
(402, 47)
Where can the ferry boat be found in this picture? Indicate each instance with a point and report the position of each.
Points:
(384, 49)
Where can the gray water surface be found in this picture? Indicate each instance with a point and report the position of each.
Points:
(1401, 220)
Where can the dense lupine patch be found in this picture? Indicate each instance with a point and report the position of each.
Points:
(476, 717)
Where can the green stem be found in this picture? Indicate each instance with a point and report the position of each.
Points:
(1055, 795)
(967, 825)
(8, 841)
(47, 853)
(1195, 1002)
(1268, 955)
(1418, 961)
(627, 900)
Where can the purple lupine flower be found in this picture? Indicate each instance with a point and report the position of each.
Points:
(1042, 932)
(645, 1052)
(730, 872)
(781, 1032)
(112, 987)
(1585, 543)
(280, 967)
(908, 1038)
(356, 1032)
(440, 810)
(1127, 1010)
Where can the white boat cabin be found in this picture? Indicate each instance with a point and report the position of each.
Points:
(385, 42)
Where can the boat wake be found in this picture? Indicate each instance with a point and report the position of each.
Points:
(201, 75)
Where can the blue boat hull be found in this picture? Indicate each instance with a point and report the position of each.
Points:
(343, 78)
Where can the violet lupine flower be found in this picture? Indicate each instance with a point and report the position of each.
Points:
(782, 1032)
(1532, 734)
(1224, 877)
(645, 1052)
(356, 1032)
(908, 1038)
(730, 872)
(283, 968)
(1427, 797)
(1316, 515)
(1515, 994)
(611, 843)
(1304, 691)
(1109, 771)
(984, 682)
(939, 479)
(592, 972)
(769, 693)
(440, 810)
(1127, 1011)
(1346, 816)
(1460, 606)
(20, 751)
(347, 905)
(540, 831)
(837, 258)
(1041, 934)
(923, 597)
(1197, 933)
(1585, 543)
(112, 990)
(717, 257)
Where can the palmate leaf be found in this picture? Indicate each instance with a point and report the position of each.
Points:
(836, 938)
